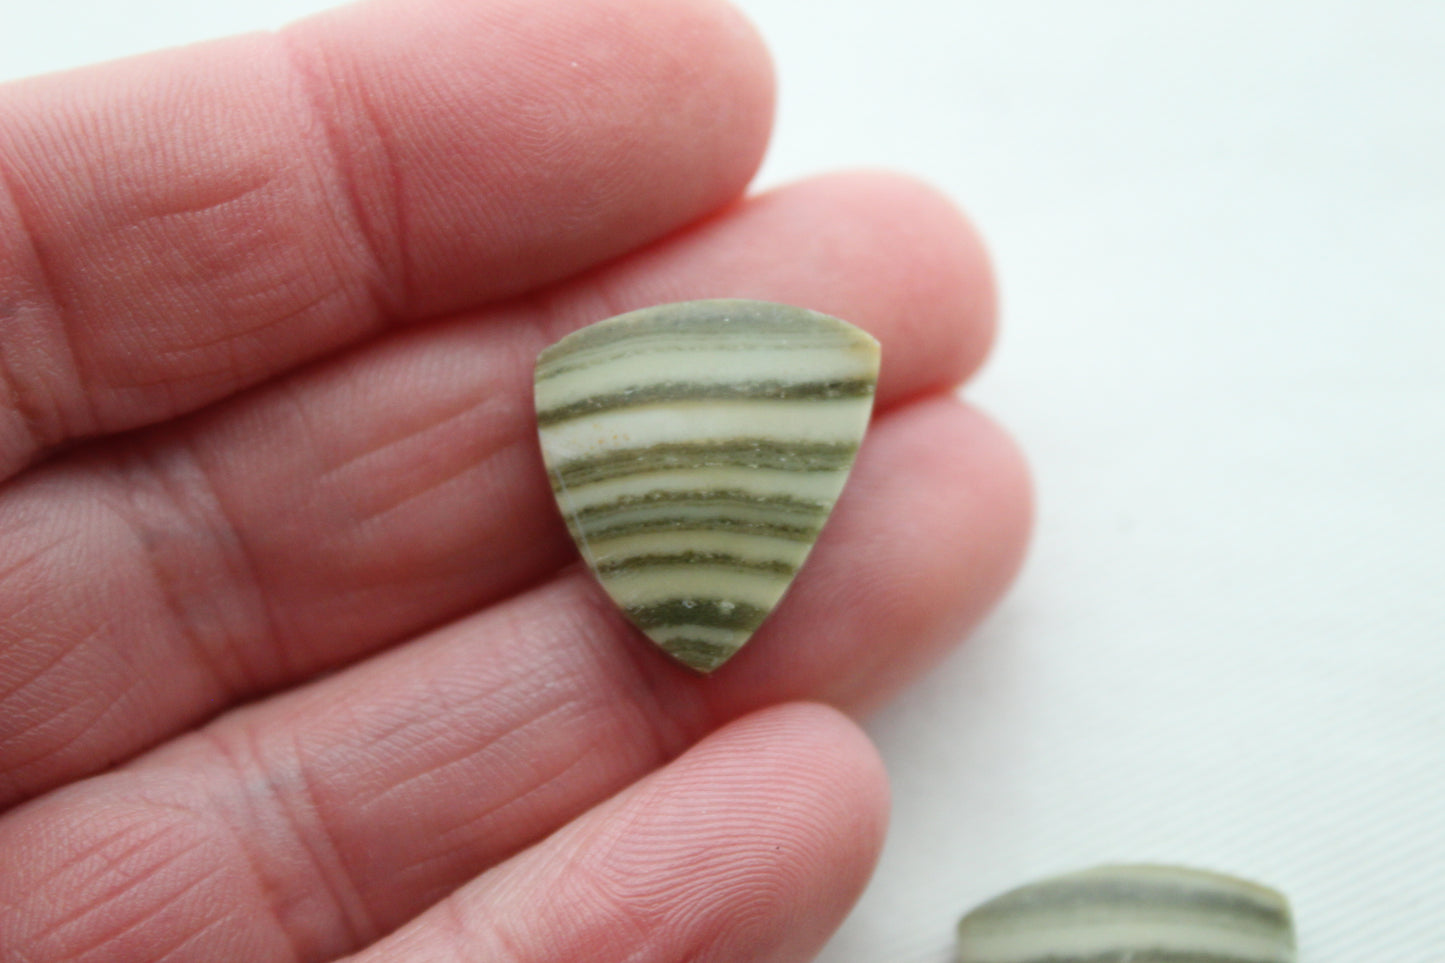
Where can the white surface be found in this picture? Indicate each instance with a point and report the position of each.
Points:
(1221, 235)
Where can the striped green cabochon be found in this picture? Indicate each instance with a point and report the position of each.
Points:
(696, 450)
(1131, 914)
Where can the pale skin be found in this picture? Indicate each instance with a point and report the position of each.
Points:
(296, 661)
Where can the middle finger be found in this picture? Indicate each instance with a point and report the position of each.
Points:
(146, 585)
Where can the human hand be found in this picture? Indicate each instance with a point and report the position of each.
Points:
(294, 661)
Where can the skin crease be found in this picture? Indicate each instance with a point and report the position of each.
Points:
(296, 661)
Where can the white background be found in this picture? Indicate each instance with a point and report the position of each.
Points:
(1220, 230)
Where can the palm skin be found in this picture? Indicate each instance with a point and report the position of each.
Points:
(296, 662)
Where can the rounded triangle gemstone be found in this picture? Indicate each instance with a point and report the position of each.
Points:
(695, 450)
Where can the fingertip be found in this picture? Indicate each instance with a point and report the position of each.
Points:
(816, 764)
(945, 437)
(801, 771)
(744, 56)
(929, 533)
(934, 287)
(819, 799)
(513, 142)
(951, 277)
(957, 537)
(967, 519)
(780, 816)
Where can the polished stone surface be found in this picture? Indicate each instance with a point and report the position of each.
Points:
(696, 450)
(1131, 914)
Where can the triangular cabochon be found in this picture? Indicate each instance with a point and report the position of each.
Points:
(696, 450)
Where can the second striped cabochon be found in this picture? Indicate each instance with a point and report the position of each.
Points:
(696, 450)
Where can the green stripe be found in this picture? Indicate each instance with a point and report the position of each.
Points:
(699, 653)
(1136, 955)
(719, 498)
(686, 391)
(1162, 895)
(677, 523)
(724, 453)
(722, 560)
(712, 613)
(701, 321)
(571, 362)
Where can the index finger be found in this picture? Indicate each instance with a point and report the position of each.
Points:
(177, 227)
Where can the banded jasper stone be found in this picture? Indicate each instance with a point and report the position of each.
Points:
(696, 450)
(1131, 914)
